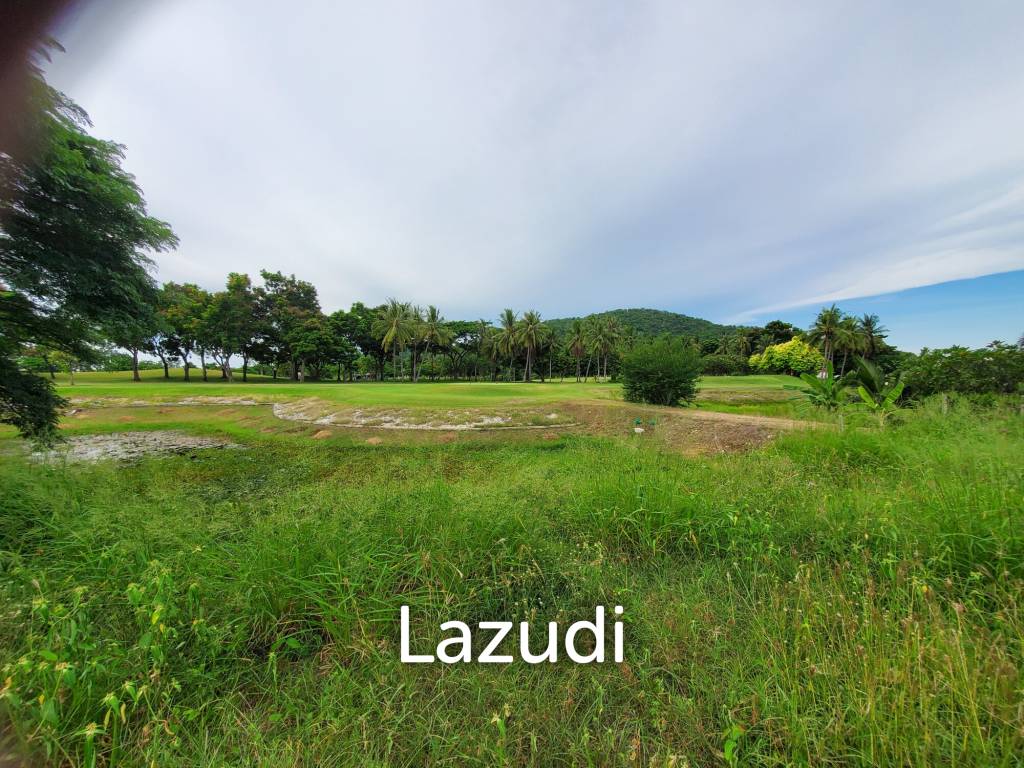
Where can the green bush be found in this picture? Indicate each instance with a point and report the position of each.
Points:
(998, 368)
(793, 357)
(663, 371)
(724, 365)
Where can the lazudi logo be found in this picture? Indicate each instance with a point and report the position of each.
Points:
(459, 646)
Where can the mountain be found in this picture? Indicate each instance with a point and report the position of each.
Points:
(654, 322)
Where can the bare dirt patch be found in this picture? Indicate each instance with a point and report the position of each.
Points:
(128, 446)
(316, 411)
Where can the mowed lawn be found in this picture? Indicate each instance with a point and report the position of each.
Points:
(368, 393)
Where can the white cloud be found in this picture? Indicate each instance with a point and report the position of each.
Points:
(708, 157)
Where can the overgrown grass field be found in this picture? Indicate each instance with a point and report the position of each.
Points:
(833, 598)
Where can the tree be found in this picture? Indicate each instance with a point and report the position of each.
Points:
(508, 339)
(531, 333)
(662, 371)
(434, 332)
(394, 327)
(827, 327)
(229, 322)
(134, 333)
(182, 307)
(873, 335)
(997, 369)
(74, 243)
(793, 357)
(576, 344)
(604, 335)
(314, 345)
(283, 304)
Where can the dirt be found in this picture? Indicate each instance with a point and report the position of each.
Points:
(128, 446)
(316, 411)
(323, 434)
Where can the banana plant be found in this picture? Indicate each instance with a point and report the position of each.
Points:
(826, 390)
(877, 395)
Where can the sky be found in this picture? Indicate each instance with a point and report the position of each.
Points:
(730, 160)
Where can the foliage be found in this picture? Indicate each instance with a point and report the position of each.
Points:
(997, 368)
(73, 247)
(652, 323)
(241, 607)
(794, 357)
(877, 392)
(662, 371)
(828, 391)
(724, 365)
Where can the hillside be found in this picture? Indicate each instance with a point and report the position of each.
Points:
(653, 322)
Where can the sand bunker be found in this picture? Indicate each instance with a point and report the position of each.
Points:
(128, 446)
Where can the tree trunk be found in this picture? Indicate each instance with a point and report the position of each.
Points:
(135, 366)
(187, 366)
(202, 362)
(578, 362)
(245, 367)
(587, 374)
(167, 370)
(71, 373)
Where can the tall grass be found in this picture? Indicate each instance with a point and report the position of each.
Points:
(836, 598)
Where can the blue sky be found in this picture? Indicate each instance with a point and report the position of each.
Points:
(731, 160)
(970, 313)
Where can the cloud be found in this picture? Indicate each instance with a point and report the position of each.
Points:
(715, 158)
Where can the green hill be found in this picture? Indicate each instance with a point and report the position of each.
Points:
(654, 322)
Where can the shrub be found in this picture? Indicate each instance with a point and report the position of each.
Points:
(724, 365)
(663, 371)
(793, 357)
(998, 368)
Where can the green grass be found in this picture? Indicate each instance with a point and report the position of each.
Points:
(746, 394)
(835, 598)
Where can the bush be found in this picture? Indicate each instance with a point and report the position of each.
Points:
(661, 372)
(724, 365)
(793, 357)
(998, 368)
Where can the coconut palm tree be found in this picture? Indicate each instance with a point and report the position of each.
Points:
(576, 344)
(873, 333)
(508, 338)
(604, 335)
(394, 327)
(531, 333)
(848, 339)
(434, 333)
(826, 327)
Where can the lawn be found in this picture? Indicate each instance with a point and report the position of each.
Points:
(427, 394)
(848, 598)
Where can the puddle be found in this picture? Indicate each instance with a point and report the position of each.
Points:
(128, 446)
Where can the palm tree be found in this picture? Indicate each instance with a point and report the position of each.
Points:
(394, 326)
(873, 332)
(489, 347)
(530, 335)
(434, 333)
(576, 344)
(604, 335)
(508, 338)
(848, 339)
(825, 329)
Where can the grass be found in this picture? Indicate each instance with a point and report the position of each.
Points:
(836, 598)
(403, 394)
